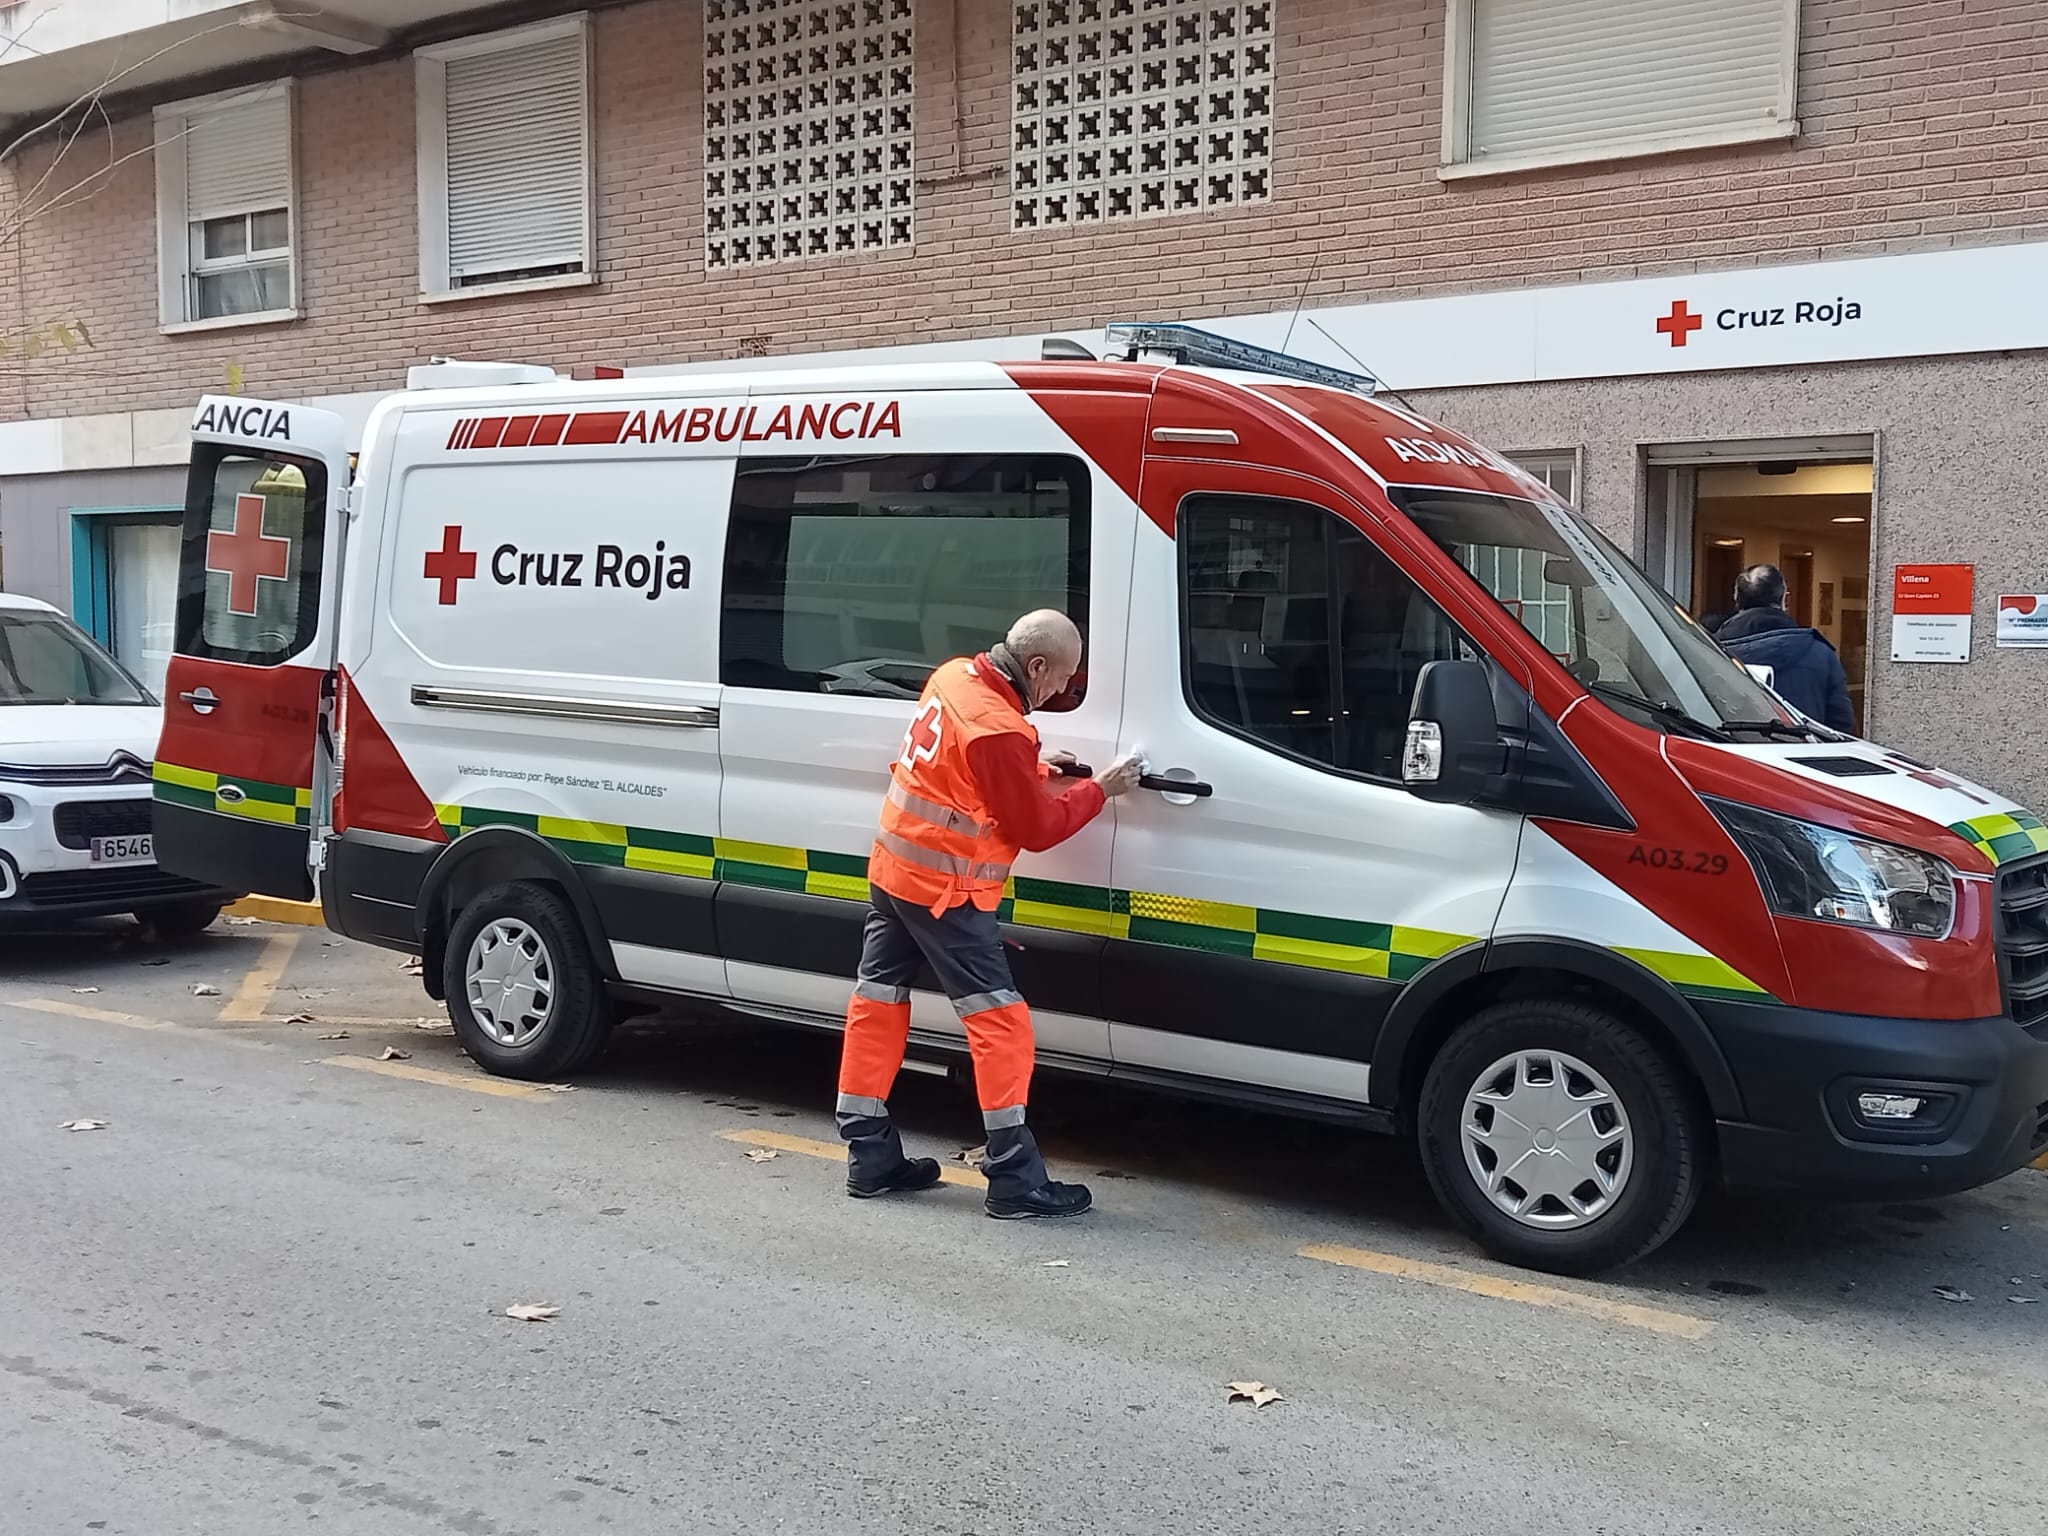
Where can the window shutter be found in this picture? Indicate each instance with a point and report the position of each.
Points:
(238, 158)
(1558, 75)
(517, 157)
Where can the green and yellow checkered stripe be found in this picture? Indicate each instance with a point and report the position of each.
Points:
(2004, 837)
(1386, 950)
(1215, 927)
(280, 804)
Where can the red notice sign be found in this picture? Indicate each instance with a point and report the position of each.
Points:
(1931, 607)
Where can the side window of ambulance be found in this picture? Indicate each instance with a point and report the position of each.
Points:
(1300, 635)
(860, 575)
(249, 568)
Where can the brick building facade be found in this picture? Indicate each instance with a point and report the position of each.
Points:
(1432, 183)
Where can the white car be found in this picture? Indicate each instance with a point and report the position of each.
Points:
(76, 737)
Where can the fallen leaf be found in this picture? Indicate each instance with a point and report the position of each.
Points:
(2024, 1301)
(569, 1088)
(973, 1157)
(759, 1154)
(528, 1312)
(339, 1034)
(85, 991)
(205, 989)
(301, 1018)
(1257, 1393)
(415, 967)
(1055, 1264)
(244, 922)
(1950, 1293)
(393, 1053)
(83, 1125)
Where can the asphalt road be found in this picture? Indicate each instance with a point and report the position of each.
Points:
(268, 1296)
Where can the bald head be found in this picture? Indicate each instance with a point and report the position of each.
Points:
(1045, 645)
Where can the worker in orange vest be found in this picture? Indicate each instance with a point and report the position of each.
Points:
(966, 794)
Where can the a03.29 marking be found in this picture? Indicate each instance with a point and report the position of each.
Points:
(1682, 861)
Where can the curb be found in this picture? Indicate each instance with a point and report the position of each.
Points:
(268, 909)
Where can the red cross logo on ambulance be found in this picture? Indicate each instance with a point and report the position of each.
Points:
(921, 740)
(247, 555)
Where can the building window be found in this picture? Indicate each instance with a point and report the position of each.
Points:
(1553, 82)
(504, 159)
(859, 576)
(1558, 469)
(1127, 108)
(224, 208)
(809, 118)
(124, 586)
(1300, 635)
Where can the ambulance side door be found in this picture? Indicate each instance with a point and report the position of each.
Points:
(1276, 909)
(851, 572)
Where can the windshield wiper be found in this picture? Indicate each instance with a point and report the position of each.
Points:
(1670, 714)
(1778, 730)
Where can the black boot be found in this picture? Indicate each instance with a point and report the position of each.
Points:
(1049, 1199)
(907, 1177)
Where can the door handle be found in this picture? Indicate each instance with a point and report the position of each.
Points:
(203, 700)
(1166, 784)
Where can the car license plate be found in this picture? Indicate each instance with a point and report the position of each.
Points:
(123, 850)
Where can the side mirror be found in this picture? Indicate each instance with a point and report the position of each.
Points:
(1453, 743)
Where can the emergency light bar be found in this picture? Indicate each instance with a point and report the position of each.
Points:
(1197, 348)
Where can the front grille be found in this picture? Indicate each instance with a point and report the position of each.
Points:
(126, 883)
(2023, 939)
(78, 822)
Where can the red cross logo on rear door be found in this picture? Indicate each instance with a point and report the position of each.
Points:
(247, 556)
(1680, 323)
(450, 565)
(921, 741)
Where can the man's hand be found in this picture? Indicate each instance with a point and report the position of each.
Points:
(1121, 776)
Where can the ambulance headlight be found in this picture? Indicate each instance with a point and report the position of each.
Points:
(1816, 872)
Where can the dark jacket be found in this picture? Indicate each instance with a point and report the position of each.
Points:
(1804, 667)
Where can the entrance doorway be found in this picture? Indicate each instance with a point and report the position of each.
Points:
(1804, 508)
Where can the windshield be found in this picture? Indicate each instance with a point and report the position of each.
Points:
(45, 659)
(1609, 625)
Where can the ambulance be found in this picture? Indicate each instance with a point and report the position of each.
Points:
(1453, 826)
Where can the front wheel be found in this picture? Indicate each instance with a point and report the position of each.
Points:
(1559, 1137)
(523, 991)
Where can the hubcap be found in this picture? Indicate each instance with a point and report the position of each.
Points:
(1547, 1140)
(511, 981)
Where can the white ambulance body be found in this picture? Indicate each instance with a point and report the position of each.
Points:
(1453, 823)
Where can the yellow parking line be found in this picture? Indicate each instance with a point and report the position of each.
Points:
(835, 1152)
(497, 1087)
(1654, 1319)
(252, 999)
(97, 1015)
(2042, 1161)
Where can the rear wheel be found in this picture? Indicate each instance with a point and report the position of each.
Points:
(1559, 1137)
(185, 920)
(523, 990)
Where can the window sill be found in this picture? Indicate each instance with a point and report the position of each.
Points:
(503, 290)
(1632, 149)
(232, 322)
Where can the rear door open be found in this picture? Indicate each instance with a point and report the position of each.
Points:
(258, 582)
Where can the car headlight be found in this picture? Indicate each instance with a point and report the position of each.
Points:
(1813, 871)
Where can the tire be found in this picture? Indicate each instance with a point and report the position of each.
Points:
(186, 920)
(1640, 1184)
(554, 1016)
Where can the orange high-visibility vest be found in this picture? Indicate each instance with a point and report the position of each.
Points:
(939, 845)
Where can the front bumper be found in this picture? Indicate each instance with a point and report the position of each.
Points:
(1799, 1072)
(46, 868)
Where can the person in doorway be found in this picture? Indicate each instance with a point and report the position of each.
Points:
(966, 794)
(1804, 667)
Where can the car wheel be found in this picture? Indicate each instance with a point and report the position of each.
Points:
(1559, 1137)
(523, 991)
(184, 921)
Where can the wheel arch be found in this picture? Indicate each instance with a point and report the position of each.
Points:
(1461, 983)
(490, 856)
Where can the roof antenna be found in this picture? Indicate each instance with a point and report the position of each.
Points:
(1302, 298)
(1333, 341)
